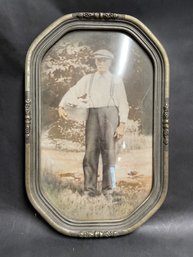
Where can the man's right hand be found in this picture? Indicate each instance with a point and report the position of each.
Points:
(62, 113)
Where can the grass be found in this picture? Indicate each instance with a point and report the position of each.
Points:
(65, 193)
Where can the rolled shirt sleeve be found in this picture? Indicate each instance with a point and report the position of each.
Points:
(121, 97)
(75, 94)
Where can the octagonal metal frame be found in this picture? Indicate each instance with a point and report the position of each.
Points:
(98, 21)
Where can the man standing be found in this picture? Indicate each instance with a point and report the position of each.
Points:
(105, 97)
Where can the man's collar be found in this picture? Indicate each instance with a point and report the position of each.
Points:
(103, 75)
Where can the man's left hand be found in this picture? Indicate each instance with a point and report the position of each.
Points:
(120, 131)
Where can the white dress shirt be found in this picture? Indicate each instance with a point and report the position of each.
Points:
(96, 90)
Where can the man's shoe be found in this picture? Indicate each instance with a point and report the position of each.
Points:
(108, 194)
(89, 194)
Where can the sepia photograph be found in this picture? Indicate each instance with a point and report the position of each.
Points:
(96, 125)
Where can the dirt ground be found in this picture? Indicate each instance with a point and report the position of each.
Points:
(139, 161)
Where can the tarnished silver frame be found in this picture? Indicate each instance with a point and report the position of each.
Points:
(41, 44)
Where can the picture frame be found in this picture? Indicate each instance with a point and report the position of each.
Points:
(96, 169)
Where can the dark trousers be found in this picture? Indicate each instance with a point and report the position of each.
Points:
(100, 128)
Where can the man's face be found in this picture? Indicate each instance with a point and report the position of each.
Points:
(103, 64)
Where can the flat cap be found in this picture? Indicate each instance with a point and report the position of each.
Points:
(103, 53)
